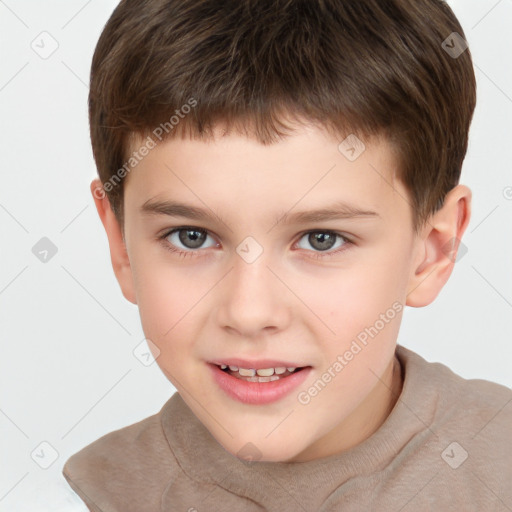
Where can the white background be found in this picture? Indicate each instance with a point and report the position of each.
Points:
(67, 366)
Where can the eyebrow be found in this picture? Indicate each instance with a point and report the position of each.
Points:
(336, 211)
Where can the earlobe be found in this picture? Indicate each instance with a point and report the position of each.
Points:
(118, 251)
(438, 247)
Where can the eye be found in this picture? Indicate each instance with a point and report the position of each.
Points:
(189, 237)
(323, 241)
(184, 240)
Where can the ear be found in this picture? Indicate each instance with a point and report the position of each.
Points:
(118, 252)
(438, 247)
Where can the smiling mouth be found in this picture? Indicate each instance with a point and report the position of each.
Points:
(263, 375)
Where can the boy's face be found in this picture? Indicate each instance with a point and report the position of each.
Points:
(250, 286)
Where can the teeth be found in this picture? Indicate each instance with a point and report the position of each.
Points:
(247, 372)
(265, 372)
(264, 379)
(262, 372)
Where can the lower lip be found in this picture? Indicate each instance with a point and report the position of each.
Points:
(258, 393)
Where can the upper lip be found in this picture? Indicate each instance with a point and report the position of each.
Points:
(257, 365)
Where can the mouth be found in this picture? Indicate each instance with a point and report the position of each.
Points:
(259, 386)
(270, 374)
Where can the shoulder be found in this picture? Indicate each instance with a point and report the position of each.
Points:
(462, 438)
(453, 394)
(122, 464)
(474, 401)
(475, 413)
(128, 444)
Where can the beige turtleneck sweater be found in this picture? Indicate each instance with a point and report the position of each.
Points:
(446, 446)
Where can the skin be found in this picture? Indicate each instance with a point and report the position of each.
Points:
(286, 304)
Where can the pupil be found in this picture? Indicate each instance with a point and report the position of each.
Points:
(324, 239)
(197, 237)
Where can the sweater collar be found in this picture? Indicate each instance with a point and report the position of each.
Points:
(274, 484)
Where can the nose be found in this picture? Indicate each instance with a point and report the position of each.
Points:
(253, 299)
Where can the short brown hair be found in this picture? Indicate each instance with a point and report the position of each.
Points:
(366, 67)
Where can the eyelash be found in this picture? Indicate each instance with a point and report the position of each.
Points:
(315, 254)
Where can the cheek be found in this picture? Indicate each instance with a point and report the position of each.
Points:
(356, 294)
(165, 298)
(362, 302)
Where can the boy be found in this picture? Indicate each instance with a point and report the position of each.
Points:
(278, 179)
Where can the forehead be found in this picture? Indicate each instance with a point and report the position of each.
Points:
(308, 168)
